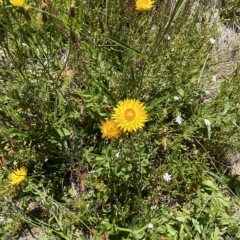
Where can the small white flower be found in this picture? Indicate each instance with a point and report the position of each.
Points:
(154, 207)
(207, 92)
(118, 154)
(176, 98)
(91, 172)
(178, 120)
(150, 225)
(207, 122)
(167, 37)
(214, 78)
(167, 177)
(212, 40)
(198, 24)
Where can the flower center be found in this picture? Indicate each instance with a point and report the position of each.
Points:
(129, 114)
(111, 129)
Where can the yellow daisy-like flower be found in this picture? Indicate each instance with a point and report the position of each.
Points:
(130, 115)
(18, 176)
(17, 3)
(110, 129)
(144, 5)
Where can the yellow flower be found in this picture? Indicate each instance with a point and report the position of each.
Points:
(18, 176)
(130, 115)
(26, 9)
(17, 3)
(144, 5)
(110, 130)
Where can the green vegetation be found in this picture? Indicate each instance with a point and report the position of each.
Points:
(64, 67)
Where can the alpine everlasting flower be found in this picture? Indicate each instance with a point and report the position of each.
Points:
(110, 129)
(130, 115)
(144, 5)
(17, 3)
(18, 176)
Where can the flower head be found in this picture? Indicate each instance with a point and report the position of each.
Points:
(176, 98)
(207, 92)
(118, 154)
(198, 24)
(17, 3)
(18, 175)
(130, 115)
(144, 5)
(110, 130)
(214, 78)
(154, 207)
(167, 177)
(207, 122)
(150, 225)
(26, 9)
(212, 40)
(167, 37)
(178, 120)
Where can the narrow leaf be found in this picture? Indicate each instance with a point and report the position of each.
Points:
(124, 45)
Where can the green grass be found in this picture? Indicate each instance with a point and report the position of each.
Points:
(64, 69)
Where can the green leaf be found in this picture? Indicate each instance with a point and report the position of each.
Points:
(108, 93)
(210, 184)
(196, 225)
(13, 113)
(235, 123)
(209, 130)
(171, 230)
(124, 45)
(181, 92)
(16, 132)
(181, 219)
(216, 234)
(226, 107)
(63, 132)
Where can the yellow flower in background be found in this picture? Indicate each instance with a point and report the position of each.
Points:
(26, 9)
(18, 176)
(130, 115)
(144, 5)
(17, 3)
(110, 130)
